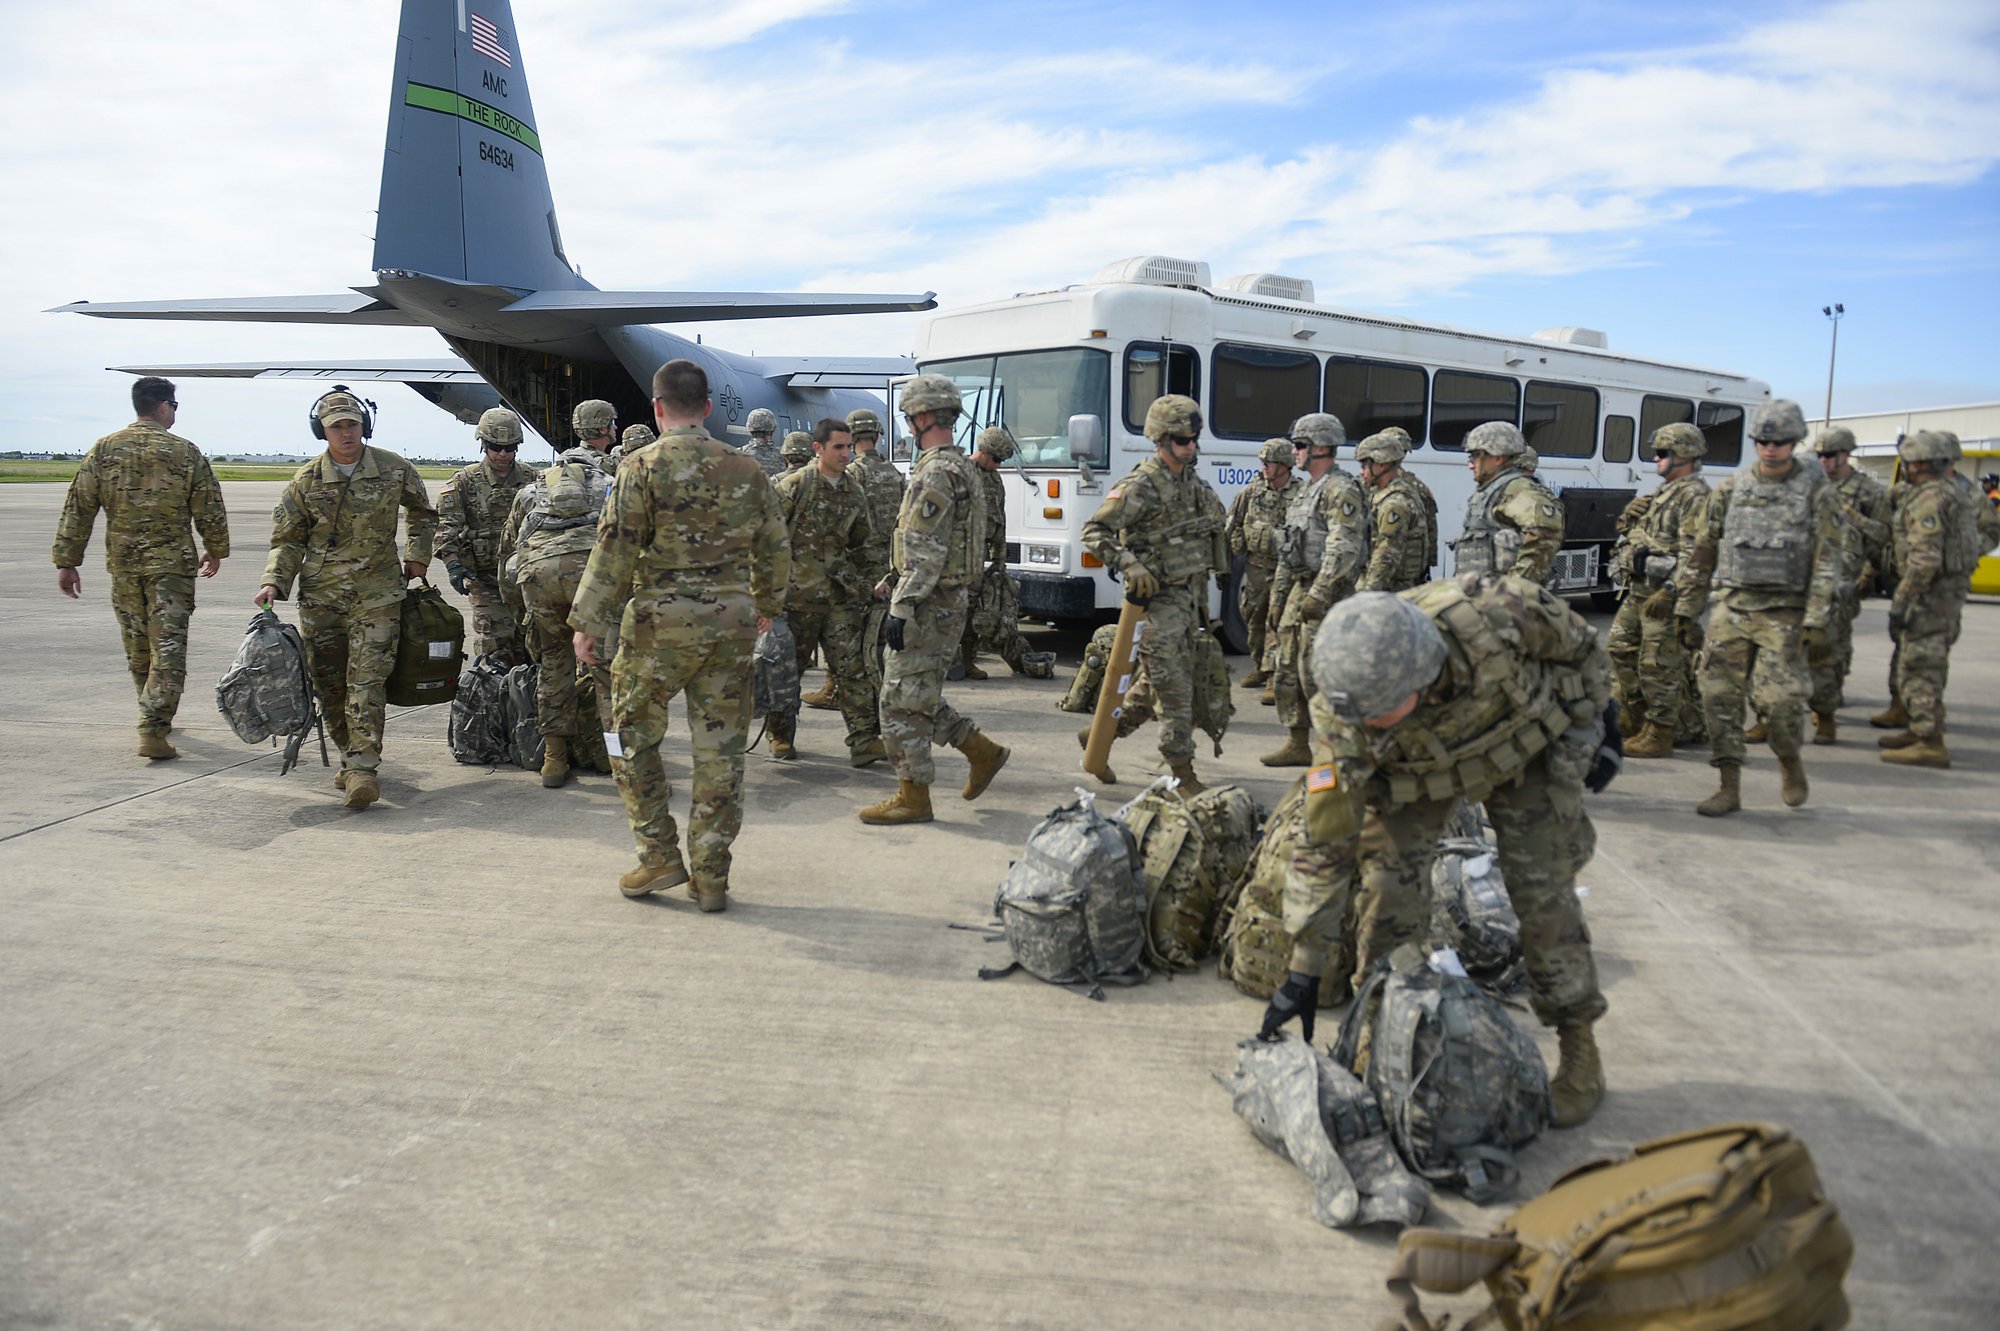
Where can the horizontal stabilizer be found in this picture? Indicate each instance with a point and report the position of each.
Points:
(873, 372)
(649, 307)
(340, 307)
(427, 370)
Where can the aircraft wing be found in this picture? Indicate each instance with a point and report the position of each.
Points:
(417, 370)
(667, 307)
(341, 307)
(836, 371)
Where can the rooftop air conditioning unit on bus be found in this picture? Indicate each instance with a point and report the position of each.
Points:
(1576, 337)
(1156, 270)
(1275, 285)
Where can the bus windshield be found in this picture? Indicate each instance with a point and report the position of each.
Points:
(1033, 394)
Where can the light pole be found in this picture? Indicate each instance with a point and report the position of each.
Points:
(1833, 313)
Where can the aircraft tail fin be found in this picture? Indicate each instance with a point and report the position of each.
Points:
(465, 192)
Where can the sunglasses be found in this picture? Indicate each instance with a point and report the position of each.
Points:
(503, 448)
(1184, 438)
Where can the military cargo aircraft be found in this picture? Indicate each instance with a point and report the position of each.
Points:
(467, 243)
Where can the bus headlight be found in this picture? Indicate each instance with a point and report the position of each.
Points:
(1049, 556)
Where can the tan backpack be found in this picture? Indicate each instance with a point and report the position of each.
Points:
(1720, 1229)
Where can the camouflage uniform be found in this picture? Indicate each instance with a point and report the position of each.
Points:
(151, 484)
(993, 623)
(1510, 719)
(548, 555)
(1513, 524)
(830, 592)
(1937, 547)
(472, 512)
(1325, 552)
(1655, 633)
(880, 482)
(1173, 525)
(635, 438)
(691, 550)
(1402, 519)
(337, 536)
(1256, 516)
(1864, 518)
(770, 455)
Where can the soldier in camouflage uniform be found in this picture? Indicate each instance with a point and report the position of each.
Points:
(1161, 530)
(938, 556)
(1402, 518)
(770, 456)
(1937, 545)
(472, 512)
(1769, 538)
(1323, 553)
(883, 485)
(550, 533)
(1513, 525)
(1864, 516)
(1487, 689)
(1256, 516)
(690, 565)
(826, 515)
(1658, 627)
(994, 622)
(334, 530)
(152, 485)
(635, 438)
(797, 451)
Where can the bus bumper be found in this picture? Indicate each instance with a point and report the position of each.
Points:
(1046, 597)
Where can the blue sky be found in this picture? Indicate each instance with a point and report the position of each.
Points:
(1696, 181)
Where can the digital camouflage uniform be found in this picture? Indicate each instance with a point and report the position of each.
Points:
(151, 485)
(1256, 516)
(1173, 525)
(1865, 535)
(1325, 552)
(337, 536)
(1512, 719)
(764, 447)
(1656, 631)
(1513, 526)
(831, 589)
(691, 550)
(1937, 546)
(548, 553)
(472, 515)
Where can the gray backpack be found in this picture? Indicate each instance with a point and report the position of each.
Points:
(1462, 1086)
(524, 735)
(478, 732)
(774, 672)
(267, 692)
(1312, 1111)
(1073, 907)
(1471, 913)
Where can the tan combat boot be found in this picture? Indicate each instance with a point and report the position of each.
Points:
(649, 878)
(1256, 679)
(910, 804)
(555, 761)
(1631, 721)
(1269, 697)
(363, 789)
(1895, 739)
(1293, 754)
(784, 750)
(1893, 718)
(340, 779)
(968, 660)
(871, 752)
(986, 757)
(1792, 780)
(1652, 741)
(1183, 772)
(710, 900)
(1826, 729)
(1579, 1081)
(1757, 733)
(1728, 798)
(153, 744)
(1921, 751)
(826, 698)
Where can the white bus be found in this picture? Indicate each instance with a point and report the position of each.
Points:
(1071, 372)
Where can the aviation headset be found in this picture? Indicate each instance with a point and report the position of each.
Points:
(367, 412)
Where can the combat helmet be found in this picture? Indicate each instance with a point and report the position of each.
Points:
(797, 448)
(592, 416)
(931, 392)
(497, 425)
(864, 424)
(1173, 415)
(1319, 429)
(1681, 440)
(1839, 439)
(1951, 444)
(1778, 422)
(1277, 450)
(994, 439)
(1925, 446)
(1372, 651)
(1496, 439)
(763, 421)
(1390, 445)
(637, 437)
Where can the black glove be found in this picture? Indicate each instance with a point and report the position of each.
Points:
(1297, 997)
(1610, 759)
(1639, 564)
(459, 575)
(892, 632)
(1895, 623)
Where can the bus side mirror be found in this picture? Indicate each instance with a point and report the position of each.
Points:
(1085, 434)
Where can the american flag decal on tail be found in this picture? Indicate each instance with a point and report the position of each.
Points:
(486, 41)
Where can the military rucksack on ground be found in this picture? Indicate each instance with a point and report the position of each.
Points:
(1193, 853)
(524, 733)
(1256, 952)
(1470, 911)
(1213, 703)
(478, 732)
(1720, 1229)
(1081, 696)
(430, 649)
(774, 672)
(586, 747)
(1312, 1111)
(1462, 1086)
(267, 692)
(1073, 907)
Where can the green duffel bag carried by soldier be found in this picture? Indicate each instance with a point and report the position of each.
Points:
(1720, 1229)
(1193, 853)
(1081, 697)
(1073, 907)
(430, 649)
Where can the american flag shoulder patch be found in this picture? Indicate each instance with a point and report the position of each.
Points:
(1323, 777)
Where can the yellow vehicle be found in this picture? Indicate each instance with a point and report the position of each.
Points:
(1977, 462)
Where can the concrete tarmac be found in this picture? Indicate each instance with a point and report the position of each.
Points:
(265, 1062)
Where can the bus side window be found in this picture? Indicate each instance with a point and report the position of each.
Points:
(1722, 424)
(1260, 391)
(1560, 420)
(1657, 411)
(1153, 370)
(1618, 438)
(1369, 396)
(1461, 400)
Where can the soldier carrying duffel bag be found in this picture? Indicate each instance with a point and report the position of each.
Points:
(430, 648)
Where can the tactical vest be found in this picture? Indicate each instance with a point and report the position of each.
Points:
(1302, 544)
(1419, 554)
(568, 498)
(1963, 545)
(1265, 519)
(965, 556)
(1485, 546)
(1483, 739)
(1767, 534)
(1181, 543)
